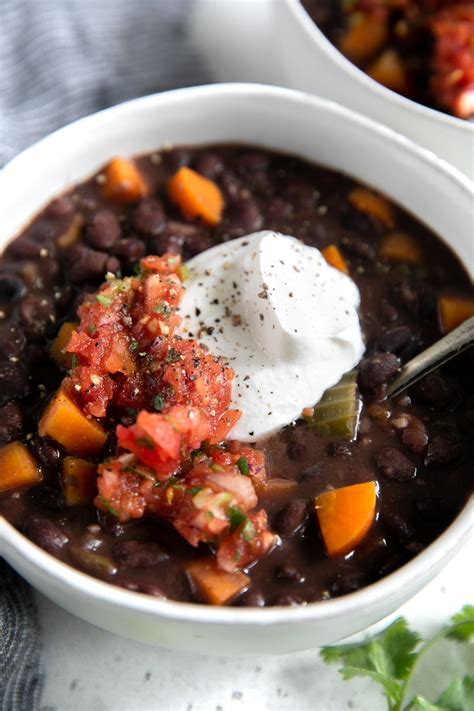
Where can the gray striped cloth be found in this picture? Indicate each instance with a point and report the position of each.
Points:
(60, 60)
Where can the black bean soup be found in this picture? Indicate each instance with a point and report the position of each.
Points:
(419, 447)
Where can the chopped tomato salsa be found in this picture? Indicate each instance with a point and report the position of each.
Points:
(172, 397)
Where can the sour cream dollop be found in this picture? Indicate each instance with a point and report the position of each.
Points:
(283, 318)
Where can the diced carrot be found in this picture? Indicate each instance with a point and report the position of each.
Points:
(79, 481)
(123, 182)
(365, 35)
(373, 205)
(63, 421)
(333, 256)
(71, 233)
(215, 585)
(58, 346)
(388, 70)
(277, 486)
(196, 196)
(345, 516)
(17, 467)
(400, 247)
(454, 310)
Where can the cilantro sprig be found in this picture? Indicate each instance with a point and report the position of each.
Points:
(390, 658)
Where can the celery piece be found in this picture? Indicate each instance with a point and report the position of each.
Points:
(337, 413)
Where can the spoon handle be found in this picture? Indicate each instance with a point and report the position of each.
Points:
(440, 352)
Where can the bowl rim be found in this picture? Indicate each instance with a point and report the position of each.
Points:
(311, 29)
(84, 584)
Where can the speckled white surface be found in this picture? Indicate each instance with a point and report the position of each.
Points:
(91, 670)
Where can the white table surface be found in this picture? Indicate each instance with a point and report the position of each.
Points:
(88, 669)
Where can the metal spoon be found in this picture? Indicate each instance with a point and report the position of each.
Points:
(440, 352)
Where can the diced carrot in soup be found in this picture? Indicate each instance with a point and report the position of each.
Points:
(196, 196)
(79, 481)
(123, 182)
(63, 421)
(400, 247)
(388, 70)
(333, 256)
(365, 35)
(58, 346)
(216, 586)
(345, 516)
(373, 205)
(453, 311)
(17, 467)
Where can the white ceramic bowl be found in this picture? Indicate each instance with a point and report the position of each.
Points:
(314, 129)
(307, 60)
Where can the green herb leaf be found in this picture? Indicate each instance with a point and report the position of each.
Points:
(144, 442)
(74, 361)
(389, 659)
(92, 329)
(194, 490)
(236, 517)
(108, 506)
(183, 272)
(248, 531)
(134, 345)
(243, 465)
(104, 300)
(459, 696)
(462, 624)
(158, 403)
(162, 308)
(137, 269)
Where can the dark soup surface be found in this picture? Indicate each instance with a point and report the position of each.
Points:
(422, 49)
(114, 454)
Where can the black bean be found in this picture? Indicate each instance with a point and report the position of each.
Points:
(112, 265)
(395, 339)
(103, 231)
(86, 264)
(14, 381)
(167, 243)
(48, 496)
(23, 248)
(11, 422)
(390, 565)
(242, 217)
(300, 195)
(443, 449)
(141, 587)
(177, 157)
(347, 582)
(338, 449)
(230, 185)
(377, 370)
(12, 341)
(37, 311)
(394, 464)
(435, 390)
(130, 250)
(291, 517)
(61, 207)
(279, 209)
(417, 297)
(360, 248)
(310, 473)
(251, 162)
(252, 598)
(388, 311)
(149, 217)
(138, 554)
(415, 435)
(45, 451)
(93, 562)
(289, 600)
(289, 571)
(12, 288)
(209, 164)
(296, 451)
(46, 534)
(397, 525)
